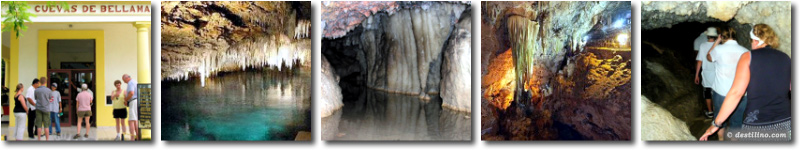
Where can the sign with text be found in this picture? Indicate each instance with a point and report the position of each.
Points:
(145, 105)
(91, 9)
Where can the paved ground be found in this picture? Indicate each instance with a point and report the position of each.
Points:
(95, 134)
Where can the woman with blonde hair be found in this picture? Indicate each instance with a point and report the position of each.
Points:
(20, 112)
(765, 75)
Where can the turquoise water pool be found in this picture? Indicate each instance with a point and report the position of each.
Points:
(241, 106)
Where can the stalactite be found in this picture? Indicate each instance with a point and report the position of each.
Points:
(267, 52)
(524, 34)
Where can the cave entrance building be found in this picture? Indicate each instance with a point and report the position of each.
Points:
(86, 42)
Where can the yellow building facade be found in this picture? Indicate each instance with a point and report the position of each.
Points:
(104, 40)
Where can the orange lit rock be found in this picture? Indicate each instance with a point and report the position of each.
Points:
(499, 82)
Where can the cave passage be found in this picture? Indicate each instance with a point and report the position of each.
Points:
(668, 63)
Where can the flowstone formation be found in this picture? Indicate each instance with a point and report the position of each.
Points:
(412, 48)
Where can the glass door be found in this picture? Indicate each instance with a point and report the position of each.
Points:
(86, 76)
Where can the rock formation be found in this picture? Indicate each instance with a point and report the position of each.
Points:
(203, 38)
(456, 87)
(396, 46)
(555, 70)
(332, 94)
(659, 125)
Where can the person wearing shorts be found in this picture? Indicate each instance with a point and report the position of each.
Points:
(705, 77)
(84, 101)
(120, 112)
(43, 100)
(130, 98)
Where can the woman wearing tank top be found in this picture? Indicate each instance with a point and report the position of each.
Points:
(20, 112)
(765, 75)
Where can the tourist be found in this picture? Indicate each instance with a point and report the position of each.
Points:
(29, 96)
(700, 40)
(55, 109)
(84, 103)
(708, 69)
(765, 75)
(20, 112)
(725, 54)
(130, 100)
(43, 100)
(119, 110)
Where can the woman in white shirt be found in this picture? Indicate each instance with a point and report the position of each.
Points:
(725, 55)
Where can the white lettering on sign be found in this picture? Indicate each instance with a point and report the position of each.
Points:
(91, 9)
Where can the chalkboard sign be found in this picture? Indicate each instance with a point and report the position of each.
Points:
(145, 105)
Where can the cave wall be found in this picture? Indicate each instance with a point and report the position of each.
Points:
(669, 84)
(663, 14)
(412, 48)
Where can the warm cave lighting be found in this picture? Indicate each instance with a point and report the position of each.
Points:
(622, 38)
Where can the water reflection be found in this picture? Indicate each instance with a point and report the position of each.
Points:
(250, 105)
(377, 115)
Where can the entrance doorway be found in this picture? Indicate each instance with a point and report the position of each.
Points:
(71, 63)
